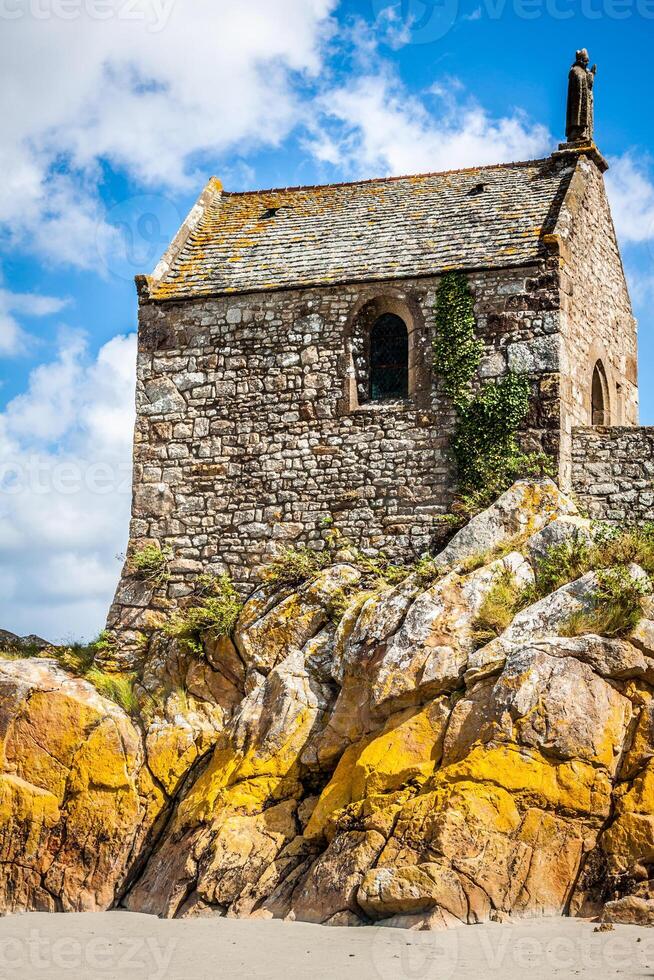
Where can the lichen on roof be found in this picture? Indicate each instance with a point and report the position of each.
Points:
(398, 227)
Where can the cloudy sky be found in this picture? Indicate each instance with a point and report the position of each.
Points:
(115, 113)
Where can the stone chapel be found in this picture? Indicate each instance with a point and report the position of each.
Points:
(284, 359)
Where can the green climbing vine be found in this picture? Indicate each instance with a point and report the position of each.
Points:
(485, 445)
(457, 350)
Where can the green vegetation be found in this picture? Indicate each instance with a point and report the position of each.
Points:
(504, 600)
(481, 558)
(485, 445)
(150, 564)
(78, 659)
(608, 548)
(295, 565)
(489, 459)
(563, 563)
(616, 606)
(427, 570)
(115, 687)
(380, 571)
(344, 600)
(634, 543)
(214, 611)
(298, 564)
(456, 349)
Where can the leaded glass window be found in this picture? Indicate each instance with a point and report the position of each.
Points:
(389, 358)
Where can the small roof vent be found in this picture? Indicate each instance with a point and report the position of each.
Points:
(476, 190)
(273, 212)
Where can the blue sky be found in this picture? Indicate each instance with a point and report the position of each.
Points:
(115, 113)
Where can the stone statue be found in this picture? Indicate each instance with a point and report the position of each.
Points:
(579, 121)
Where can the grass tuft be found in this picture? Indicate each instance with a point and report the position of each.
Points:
(116, 687)
(294, 566)
(616, 606)
(563, 563)
(502, 602)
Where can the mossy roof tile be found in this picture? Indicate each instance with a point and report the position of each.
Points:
(371, 230)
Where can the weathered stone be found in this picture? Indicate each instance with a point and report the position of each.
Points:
(263, 639)
(522, 510)
(569, 528)
(630, 910)
(541, 354)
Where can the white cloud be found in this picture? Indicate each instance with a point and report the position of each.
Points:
(373, 126)
(631, 192)
(149, 88)
(13, 338)
(65, 447)
(395, 30)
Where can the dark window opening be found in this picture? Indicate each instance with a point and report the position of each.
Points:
(389, 358)
(599, 396)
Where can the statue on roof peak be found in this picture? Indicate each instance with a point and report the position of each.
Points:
(579, 119)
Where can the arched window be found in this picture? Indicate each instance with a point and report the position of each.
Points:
(389, 358)
(599, 396)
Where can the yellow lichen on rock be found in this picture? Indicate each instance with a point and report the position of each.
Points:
(76, 801)
(575, 787)
(406, 750)
(629, 840)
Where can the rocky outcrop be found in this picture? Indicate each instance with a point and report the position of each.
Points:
(353, 756)
(11, 643)
(77, 800)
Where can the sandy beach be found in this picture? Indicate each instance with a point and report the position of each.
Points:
(138, 947)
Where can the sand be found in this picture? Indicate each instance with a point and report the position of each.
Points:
(128, 946)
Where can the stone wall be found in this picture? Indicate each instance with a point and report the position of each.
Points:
(613, 472)
(251, 430)
(597, 322)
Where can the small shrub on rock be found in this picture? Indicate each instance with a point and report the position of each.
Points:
(150, 564)
(214, 612)
(116, 687)
(624, 546)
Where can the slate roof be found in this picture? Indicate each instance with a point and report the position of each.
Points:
(391, 228)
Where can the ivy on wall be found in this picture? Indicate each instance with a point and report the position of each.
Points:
(457, 350)
(485, 444)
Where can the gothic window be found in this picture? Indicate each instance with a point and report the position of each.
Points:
(389, 358)
(599, 396)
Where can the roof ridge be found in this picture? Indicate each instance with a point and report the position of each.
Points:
(388, 180)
